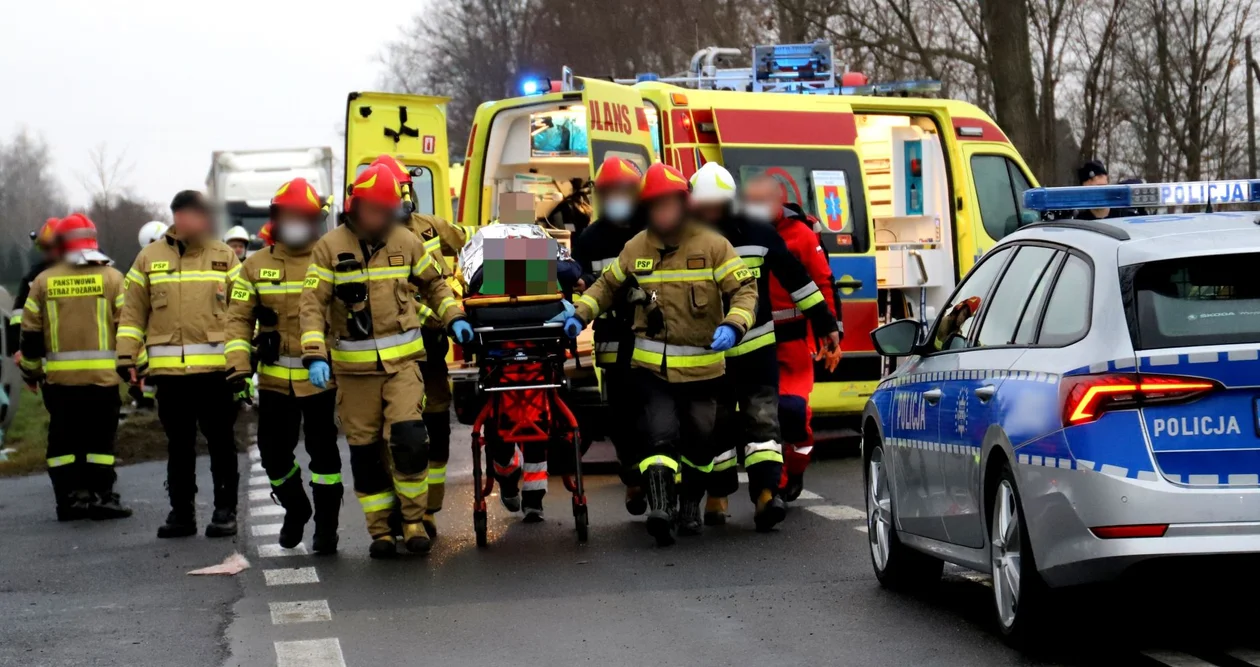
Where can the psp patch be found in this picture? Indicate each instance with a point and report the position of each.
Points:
(239, 294)
(270, 274)
(643, 265)
(397, 260)
(69, 286)
(159, 266)
(743, 274)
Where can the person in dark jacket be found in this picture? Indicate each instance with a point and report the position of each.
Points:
(43, 240)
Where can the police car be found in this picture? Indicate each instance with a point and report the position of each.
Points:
(1088, 399)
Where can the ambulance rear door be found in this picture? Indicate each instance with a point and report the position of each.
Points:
(617, 124)
(412, 128)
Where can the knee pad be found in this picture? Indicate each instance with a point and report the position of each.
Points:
(792, 418)
(409, 443)
(370, 475)
(439, 428)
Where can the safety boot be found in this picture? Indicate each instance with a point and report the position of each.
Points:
(715, 511)
(222, 523)
(429, 521)
(689, 517)
(415, 538)
(532, 503)
(793, 484)
(327, 509)
(770, 511)
(74, 506)
(181, 522)
(661, 500)
(636, 502)
(383, 548)
(106, 506)
(297, 510)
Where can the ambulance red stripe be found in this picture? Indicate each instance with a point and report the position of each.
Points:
(786, 128)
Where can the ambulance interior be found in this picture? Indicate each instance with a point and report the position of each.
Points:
(909, 204)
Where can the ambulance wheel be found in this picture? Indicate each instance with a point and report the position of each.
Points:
(479, 526)
(897, 566)
(582, 521)
(1020, 596)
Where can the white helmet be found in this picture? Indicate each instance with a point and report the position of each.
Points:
(712, 184)
(237, 233)
(150, 232)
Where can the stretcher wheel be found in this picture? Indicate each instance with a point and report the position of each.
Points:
(479, 526)
(582, 522)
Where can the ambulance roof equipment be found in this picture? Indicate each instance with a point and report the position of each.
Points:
(1143, 195)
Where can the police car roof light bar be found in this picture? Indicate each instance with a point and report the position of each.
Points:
(1143, 195)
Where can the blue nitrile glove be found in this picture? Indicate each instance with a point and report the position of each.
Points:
(573, 327)
(462, 332)
(724, 338)
(320, 372)
(565, 315)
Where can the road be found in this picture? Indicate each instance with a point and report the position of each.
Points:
(110, 594)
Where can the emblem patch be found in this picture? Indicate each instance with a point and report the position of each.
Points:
(270, 274)
(397, 260)
(643, 265)
(218, 266)
(159, 266)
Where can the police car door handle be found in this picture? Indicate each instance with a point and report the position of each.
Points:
(933, 396)
(985, 393)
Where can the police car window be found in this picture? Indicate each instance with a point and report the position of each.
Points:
(1000, 187)
(1068, 311)
(1198, 301)
(1013, 292)
(953, 327)
(421, 182)
(1027, 333)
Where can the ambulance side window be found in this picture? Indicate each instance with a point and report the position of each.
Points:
(421, 182)
(1000, 187)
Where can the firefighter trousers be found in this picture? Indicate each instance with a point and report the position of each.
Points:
(389, 459)
(82, 426)
(437, 412)
(186, 403)
(796, 383)
(677, 423)
(624, 408)
(748, 425)
(520, 467)
(283, 419)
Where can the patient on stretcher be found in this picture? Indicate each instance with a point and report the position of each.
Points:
(532, 271)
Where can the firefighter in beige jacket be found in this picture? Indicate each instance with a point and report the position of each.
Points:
(358, 309)
(176, 310)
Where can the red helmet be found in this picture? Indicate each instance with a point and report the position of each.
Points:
(47, 233)
(617, 172)
(661, 180)
(264, 234)
(378, 185)
(395, 167)
(75, 233)
(297, 195)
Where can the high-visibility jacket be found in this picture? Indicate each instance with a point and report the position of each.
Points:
(685, 287)
(15, 318)
(440, 238)
(395, 271)
(68, 324)
(788, 306)
(271, 278)
(176, 306)
(596, 249)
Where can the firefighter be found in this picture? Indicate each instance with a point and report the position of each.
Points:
(175, 308)
(764, 202)
(684, 272)
(749, 413)
(597, 248)
(267, 295)
(43, 240)
(440, 238)
(67, 348)
(237, 239)
(145, 394)
(361, 288)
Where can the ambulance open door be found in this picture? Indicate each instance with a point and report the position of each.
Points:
(616, 124)
(412, 128)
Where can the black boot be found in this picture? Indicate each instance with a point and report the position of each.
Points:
(771, 510)
(327, 509)
(636, 503)
(297, 510)
(106, 506)
(181, 522)
(74, 506)
(532, 503)
(222, 523)
(661, 501)
(792, 489)
(382, 548)
(689, 517)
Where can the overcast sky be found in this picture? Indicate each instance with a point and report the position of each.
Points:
(170, 81)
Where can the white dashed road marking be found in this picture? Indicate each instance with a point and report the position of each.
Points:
(861, 528)
(266, 510)
(809, 495)
(254, 454)
(309, 611)
(257, 467)
(259, 481)
(276, 551)
(291, 575)
(263, 530)
(260, 494)
(1175, 659)
(743, 477)
(837, 512)
(1249, 656)
(310, 653)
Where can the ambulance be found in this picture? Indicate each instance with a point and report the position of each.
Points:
(909, 191)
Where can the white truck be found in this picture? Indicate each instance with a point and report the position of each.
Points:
(241, 183)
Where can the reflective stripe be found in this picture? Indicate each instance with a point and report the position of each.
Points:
(607, 352)
(378, 502)
(131, 332)
(291, 287)
(742, 314)
(599, 265)
(292, 471)
(762, 452)
(234, 272)
(196, 354)
(313, 337)
(102, 324)
(437, 474)
(786, 314)
(52, 325)
(767, 446)
(120, 300)
(725, 461)
(763, 457)
(136, 276)
(101, 459)
(810, 301)
(433, 244)
(676, 276)
(731, 266)
(31, 305)
(803, 292)
(754, 262)
(535, 478)
(30, 364)
(678, 356)
(320, 272)
(755, 339)
(281, 372)
(16, 320)
(188, 277)
(58, 461)
(658, 461)
(616, 270)
(411, 488)
(803, 450)
(424, 263)
(237, 345)
(373, 273)
(591, 303)
(445, 306)
(83, 360)
(396, 346)
(512, 466)
(751, 250)
(326, 480)
(243, 284)
(426, 314)
(708, 467)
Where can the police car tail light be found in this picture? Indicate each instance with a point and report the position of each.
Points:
(1087, 397)
(1134, 530)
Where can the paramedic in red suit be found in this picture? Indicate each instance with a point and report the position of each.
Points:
(764, 201)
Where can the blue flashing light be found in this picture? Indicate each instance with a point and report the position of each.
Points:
(647, 76)
(535, 86)
(1143, 195)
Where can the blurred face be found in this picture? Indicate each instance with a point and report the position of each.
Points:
(710, 214)
(238, 247)
(1100, 179)
(617, 204)
(763, 200)
(373, 219)
(665, 215)
(296, 231)
(192, 222)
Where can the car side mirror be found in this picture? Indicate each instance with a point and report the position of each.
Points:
(897, 339)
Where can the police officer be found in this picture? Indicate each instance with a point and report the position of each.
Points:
(267, 295)
(750, 409)
(175, 311)
(68, 348)
(43, 240)
(597, 248)
(686, 271)
(440, 238)
(358, 308)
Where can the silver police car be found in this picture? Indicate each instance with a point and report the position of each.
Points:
(1088, 399)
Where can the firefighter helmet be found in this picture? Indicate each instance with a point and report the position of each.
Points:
(617, 172)
(236, 233)
(298, 196)
(712, 184)
(395, 167)
(264, 234)
(46, 234)
(150, 232)
(377, 185)
(75, 234)
(662, 180)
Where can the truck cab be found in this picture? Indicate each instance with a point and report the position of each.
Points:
(242, 183)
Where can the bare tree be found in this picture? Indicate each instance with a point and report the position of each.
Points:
(107, 175)
(29, 194)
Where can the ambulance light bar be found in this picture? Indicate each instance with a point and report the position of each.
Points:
(535, 86)
(1143, 195)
